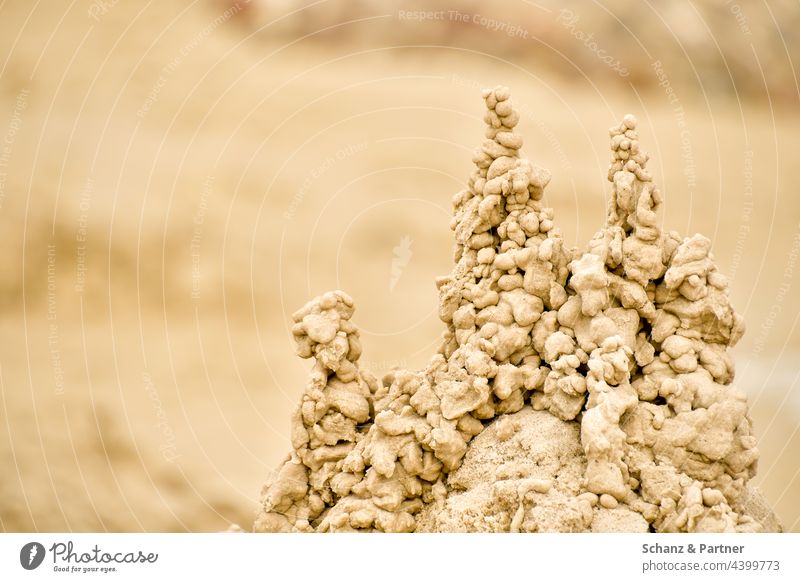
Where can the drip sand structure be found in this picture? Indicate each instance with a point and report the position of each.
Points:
(572, 391)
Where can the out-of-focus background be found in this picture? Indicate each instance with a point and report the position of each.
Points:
(176, 178)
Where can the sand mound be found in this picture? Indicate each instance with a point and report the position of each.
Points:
(523, 474)
(624, 346)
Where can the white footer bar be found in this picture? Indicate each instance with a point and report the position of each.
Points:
(380, 557)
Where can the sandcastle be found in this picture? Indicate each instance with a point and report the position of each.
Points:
(573, 391)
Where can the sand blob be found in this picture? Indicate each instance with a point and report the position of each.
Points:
(572, 391)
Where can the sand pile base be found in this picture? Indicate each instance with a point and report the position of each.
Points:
(523, 474)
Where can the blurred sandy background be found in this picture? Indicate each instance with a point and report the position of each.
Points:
(176, 178)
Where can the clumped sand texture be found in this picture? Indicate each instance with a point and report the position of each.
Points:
(571, 392)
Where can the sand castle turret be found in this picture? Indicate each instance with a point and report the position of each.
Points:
(608, 370)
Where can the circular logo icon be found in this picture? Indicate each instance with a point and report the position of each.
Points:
(31, 555)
